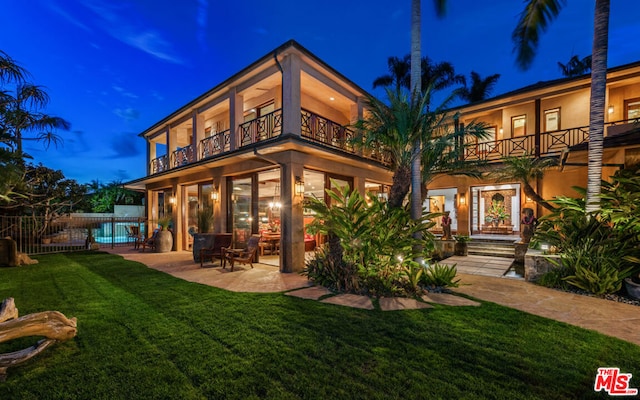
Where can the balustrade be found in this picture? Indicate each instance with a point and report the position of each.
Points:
(160, 164)
(216, 144)
(262, 128)
(183, 156)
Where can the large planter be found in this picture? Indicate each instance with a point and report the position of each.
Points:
(164, 241)
(633, 289)
(461, 249)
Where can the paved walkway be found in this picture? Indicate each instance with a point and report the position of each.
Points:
(608, 317)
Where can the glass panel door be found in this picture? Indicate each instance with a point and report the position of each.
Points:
(241, 216)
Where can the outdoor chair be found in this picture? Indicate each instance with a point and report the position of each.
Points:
(220, 241)
(151, 242)
(133, 232)
(245, 256)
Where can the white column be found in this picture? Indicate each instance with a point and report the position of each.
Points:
(291, 90)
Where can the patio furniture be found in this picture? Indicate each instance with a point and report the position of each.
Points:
(133, 232)
(151, 242)
(220, 241)
(242, 256)
(270, 242)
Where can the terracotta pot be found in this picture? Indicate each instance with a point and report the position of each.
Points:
(164, 242)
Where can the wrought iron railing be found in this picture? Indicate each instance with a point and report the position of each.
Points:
(216, 144)
(183, 156)
(160, 164)
(327, 132)
(262, 128)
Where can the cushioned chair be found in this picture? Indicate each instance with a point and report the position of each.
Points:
(151, 242)
(245, 256)
(220, 241)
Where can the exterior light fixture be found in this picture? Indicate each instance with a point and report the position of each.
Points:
(214, 194)
(299, 186)
(172, 199)
(610, 109)
(462, 199)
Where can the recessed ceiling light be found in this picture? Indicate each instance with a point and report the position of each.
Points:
(332, 98)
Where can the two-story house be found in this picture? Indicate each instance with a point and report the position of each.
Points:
(253, 147)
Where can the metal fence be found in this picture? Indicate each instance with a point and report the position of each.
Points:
(40, 235)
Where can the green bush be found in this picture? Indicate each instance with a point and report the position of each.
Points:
(373, 241)
(439, 275)
(597, 250)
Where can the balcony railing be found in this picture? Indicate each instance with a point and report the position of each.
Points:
(325, 131)
(183, 156)
(262, 128)
(160, 164)
(215, 145)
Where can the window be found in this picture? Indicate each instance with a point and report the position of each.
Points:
(518, 125)
(552, 120)
(632, 108)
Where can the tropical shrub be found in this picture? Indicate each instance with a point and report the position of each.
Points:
(439, 275)
(370, 244)
(598, 250)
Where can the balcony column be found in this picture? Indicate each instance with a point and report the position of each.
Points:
(236, 116)
(172, 144)
(151, 155)
(177, 213)
(357, 113)
(536, 122)
(291, 103)
(291, 220)
(197, 134)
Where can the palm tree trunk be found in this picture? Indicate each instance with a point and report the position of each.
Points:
(533, 195)
(416, 83)
(598, 92)
(400, 187)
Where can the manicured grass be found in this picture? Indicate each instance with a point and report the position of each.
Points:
(144, 334)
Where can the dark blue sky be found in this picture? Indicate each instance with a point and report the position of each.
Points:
(113, 68)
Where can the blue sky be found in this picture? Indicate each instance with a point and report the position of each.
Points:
(114, 68)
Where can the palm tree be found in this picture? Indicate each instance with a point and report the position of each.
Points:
(575, 66)
(20, 114)
(438, 75)
(480, 88)
(10, 71)
(534, 20)
(525, 169)
(397, 126)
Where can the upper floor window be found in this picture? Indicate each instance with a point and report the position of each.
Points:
(632, 108)
(552, 120)
(518, 125)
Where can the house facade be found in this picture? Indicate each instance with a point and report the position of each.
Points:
(548, 119)
(242, 157)
(252, 148)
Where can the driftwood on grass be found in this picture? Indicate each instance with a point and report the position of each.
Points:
(53, 325)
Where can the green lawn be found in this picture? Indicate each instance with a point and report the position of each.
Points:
(144, 334)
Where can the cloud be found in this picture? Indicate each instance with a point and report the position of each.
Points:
(128, 114)
(157, 95)
(124, 92)
(120, 23)
(201, 21)
(123, 145)
(54, 7)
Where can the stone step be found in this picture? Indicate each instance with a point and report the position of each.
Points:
(492, 248)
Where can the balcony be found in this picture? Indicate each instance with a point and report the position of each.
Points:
(546, 144)
(262, 128)
(215, 145)
(183, 156)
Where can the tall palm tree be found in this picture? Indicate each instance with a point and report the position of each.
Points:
(575, 66)
(10, 71)
(480, 88)
(534, 20)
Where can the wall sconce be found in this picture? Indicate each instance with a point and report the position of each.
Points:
(501, 131)
(214, 195)
(610, 109)
(462, 200)
(172, 200)
(299, 187)
(528, 199)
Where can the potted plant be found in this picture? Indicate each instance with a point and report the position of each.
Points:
(461, 248)
(632, 285)
(496, 213)
(164, 238)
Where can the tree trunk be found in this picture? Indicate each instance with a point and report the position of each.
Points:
(531, 193)
(53, 325)
(400, 186)
(596, 113)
